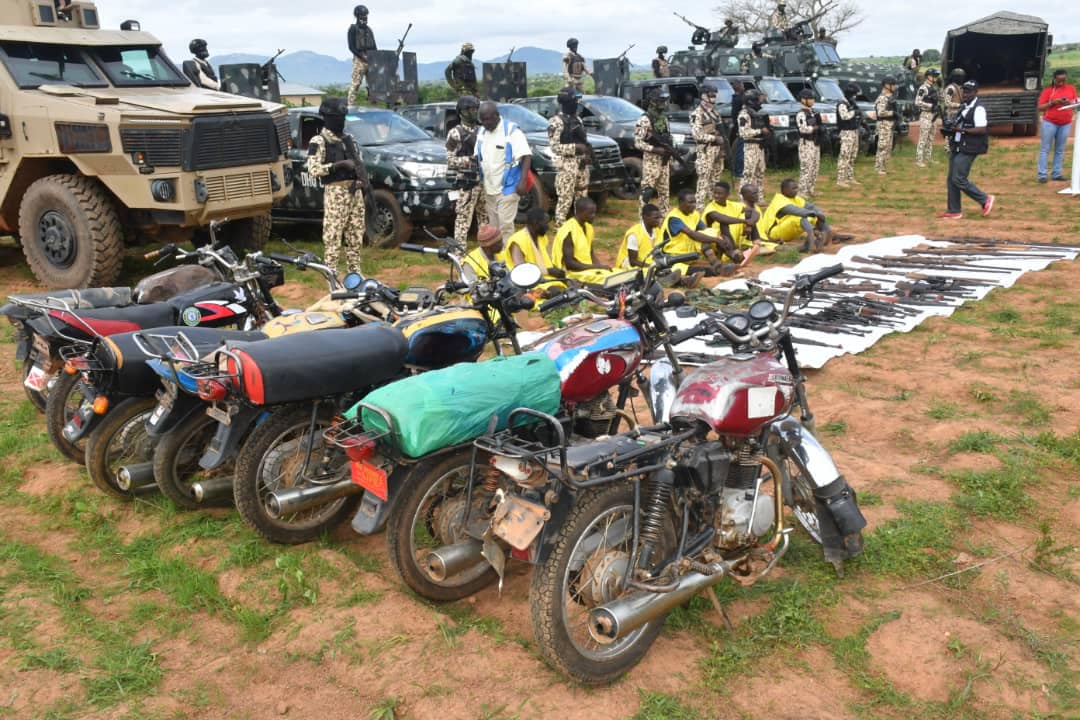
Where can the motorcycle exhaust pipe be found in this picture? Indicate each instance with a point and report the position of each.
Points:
(617, 619)
(287, 502)
(449, 560)
(212, 489)
(130, 478)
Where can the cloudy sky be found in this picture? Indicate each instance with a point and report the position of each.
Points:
(605, 27)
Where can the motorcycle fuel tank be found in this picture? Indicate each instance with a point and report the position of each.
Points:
(737, 395)
(593, 356)
(443, 337)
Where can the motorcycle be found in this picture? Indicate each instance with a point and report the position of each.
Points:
(625, 529)
(245, 302)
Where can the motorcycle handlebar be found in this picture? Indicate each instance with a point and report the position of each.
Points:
(521, 302)
(670, 260)
(823, 274)
(413, 247)
(344, 295)
(284, 258)
(558, 301)
(162, 252)
(689, 333)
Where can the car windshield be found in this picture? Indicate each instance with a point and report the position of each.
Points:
(615, 109)
(144, 66)
(525, 118)
(34, 64)
(775, 91)
(829, 89)
(826, 54)
(382, 127)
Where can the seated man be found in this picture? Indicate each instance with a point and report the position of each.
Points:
(573, 249)
(639, 241)
(790, 216)
(688, 233)
(737, 220)
(490, 250)
(530, 245)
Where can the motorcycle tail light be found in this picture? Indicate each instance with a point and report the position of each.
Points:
(360, 449)
(211, 390)
(76, 365)
(101, 405)
(252, 379)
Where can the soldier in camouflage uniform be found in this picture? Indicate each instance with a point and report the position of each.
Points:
(570, 144)
(361, 41)
(926, 100)
(885, 110)
(460, 74)
(754, 130)
(573, 66)
(779, 19)
(808, 123)
(848, 119)
(461, 166)
(204, 71)
(952, 97)
(708, 133)
(334, 156)
(653, 140)
(660, 66)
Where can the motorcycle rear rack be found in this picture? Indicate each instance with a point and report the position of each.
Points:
(346, 433)
(170, 348)
(81, 356)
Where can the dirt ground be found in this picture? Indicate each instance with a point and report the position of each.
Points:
(936, 649)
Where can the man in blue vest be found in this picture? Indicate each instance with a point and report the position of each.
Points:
(504, 159)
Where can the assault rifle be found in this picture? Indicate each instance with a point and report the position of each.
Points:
(401, 41)
(662, 141)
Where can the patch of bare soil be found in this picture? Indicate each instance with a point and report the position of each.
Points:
(49, 477)
(809, 688)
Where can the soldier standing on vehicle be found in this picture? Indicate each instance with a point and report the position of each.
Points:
(205, 76)
(653, 140)
(848, 119)
(753, 130)
(912, 61)
(779, 19)
(756, 57)
(361, 42)
(573, 65)
(926, 100)
(727, 36)
(570, 144)
(460, 74)
(660, 66)
(334, 156)
(808, 123)
(885, 110)
(708, 133)
(951, 98)
(462, 166)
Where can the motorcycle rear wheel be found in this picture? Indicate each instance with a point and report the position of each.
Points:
(37, 397)
(176, 461)
(270, 460)
(561, 603)
(119, 440)
(63, 400)
(412, 530)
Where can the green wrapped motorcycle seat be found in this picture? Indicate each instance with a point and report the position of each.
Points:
(447, 407)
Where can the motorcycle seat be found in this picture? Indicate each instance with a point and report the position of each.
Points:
(106, 321)
(319, 364)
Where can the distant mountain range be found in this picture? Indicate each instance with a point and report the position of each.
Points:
(311, 68)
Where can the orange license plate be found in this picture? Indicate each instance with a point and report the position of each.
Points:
(371, 478)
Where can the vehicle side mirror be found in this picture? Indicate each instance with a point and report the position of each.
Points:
(526, 275)
(5, 126)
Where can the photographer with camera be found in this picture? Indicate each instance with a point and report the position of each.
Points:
(461, 165)
(885, 108)
(967, 133)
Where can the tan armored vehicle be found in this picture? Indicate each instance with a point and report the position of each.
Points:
(103, 141)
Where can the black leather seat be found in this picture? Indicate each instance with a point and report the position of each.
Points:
(324, 363)
(141, 316)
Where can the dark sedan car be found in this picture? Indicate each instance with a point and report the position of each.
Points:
(608, 172)
(406, 167)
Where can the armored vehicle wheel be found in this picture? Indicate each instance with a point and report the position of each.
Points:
(632, 188)
(71, 232)
(537, 197)
(246, 234)
(387, 225)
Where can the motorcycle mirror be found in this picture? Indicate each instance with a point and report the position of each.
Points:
(526, 275)
(352, 281)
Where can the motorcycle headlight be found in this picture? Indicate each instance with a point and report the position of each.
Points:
(779, 120)
(424, 171)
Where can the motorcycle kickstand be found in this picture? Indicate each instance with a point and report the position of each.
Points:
(711, 592)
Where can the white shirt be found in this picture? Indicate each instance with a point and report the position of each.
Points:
(979, 118)
(491, 148)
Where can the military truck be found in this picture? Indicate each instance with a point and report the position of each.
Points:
(608, 174)
(104, 142)
(1006, 53)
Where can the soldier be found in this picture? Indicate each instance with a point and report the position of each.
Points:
(461, 73)
(885, 109)
(660, 66)
(361, 41)
(824, 36)
(204, 71)
(757, 56)
(779, 20)
(754, 130)
(727, 37)
(573, 66)
(708, 133)
(926, 100)
(653, 140)
(809, 124)
(334, 156)
(570, 144)
(952, 96)
(912, 61)
(848, 119)
(461, 164)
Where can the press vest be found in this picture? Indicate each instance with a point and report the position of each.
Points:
(512, 174)
(972, 144)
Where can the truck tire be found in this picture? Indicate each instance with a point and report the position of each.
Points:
(387, 226)
(537, 197)
(632, 189)
(246, 234)
(70, 232)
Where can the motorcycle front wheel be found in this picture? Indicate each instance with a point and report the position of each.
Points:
(61, 403)
(176, 462)
(584, 571)
(800, 496)
(428, 515)
(284, 452)
(121, 441)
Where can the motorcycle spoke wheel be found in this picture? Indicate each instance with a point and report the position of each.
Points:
(176, 462)
(803, 505)
(120, 440)
(63, 400)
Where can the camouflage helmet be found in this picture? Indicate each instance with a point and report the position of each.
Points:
(957, 75)
(572, 43)
(467, 47)
(360, 11)
(334, 106)
(806, 94)
(661, 49)
(196, 45)
(656, 95)
(567, 94)
(467, 102)
(933, 72)
(852, 90)
(709, 89)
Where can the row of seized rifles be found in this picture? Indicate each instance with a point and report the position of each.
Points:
(887, 292)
